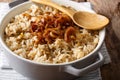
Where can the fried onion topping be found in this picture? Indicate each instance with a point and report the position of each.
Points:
(49, 28)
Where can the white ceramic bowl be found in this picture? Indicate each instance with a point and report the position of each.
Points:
(36, 71)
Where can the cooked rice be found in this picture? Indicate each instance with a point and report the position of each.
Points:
(22, 42)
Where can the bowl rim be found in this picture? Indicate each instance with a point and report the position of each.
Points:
(101, 32)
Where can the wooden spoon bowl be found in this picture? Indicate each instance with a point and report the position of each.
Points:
(83, 19)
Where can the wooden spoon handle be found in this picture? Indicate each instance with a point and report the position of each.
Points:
(64, 9)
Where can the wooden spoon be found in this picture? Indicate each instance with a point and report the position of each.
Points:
(83, 19)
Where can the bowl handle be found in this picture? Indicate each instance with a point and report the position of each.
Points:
(79, 72)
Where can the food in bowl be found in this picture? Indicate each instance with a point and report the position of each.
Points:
(46, 35)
